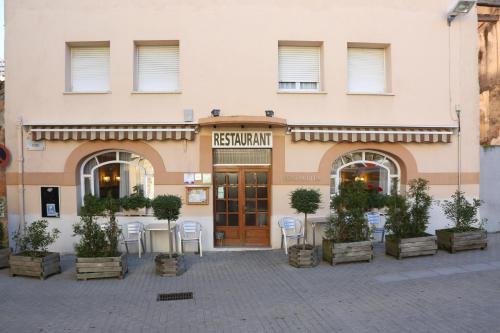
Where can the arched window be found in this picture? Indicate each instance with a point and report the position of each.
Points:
(377, 170)
(117, 173)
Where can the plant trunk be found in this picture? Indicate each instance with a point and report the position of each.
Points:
(305, 232)
(170, 244)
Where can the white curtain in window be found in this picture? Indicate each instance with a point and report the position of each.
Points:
(96, 183)
(299, 63)
(157, 68)
(124, 180)
(89, 69)
(366, 70)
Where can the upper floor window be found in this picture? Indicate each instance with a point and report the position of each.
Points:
(367, 70)
(89, 68)
(157, 68)
(299, 68)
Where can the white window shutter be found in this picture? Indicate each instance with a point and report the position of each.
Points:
(157, 68)
(366, 70)
(90, 69)
(299, 64)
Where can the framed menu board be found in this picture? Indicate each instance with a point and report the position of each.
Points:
(197, 195)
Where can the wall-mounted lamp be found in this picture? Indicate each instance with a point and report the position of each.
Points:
(269, 113)
(215, 112)
(106, 179)
(462, 7)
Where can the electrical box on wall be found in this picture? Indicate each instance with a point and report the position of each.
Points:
(50, 201)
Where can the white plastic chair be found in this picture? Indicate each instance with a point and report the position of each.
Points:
(375, 223)
(189, 231)
(291, 227)
(133, 232)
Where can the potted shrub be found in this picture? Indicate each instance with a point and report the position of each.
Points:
(467, 232)
(376, 200)
(4, 249)
(305, 201)
(97, 254)
(168, 207)
(34, 258)
(347, 238)
(407, 220)
(135, 203)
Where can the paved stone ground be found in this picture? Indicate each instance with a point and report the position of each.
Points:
(259, 292)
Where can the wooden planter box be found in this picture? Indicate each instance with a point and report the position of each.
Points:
(335, 253)
(33, 266)
(166, 266)
(102, 267)
(4, 257)
(298, 257)
(457, 241)
(410, 247)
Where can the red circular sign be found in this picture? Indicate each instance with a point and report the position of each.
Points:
(4, 156)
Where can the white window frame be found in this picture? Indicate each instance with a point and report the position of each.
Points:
(385, 89)
(70, 75)
(90, 176)
(297, 87)
(137, 88)
(363, 160)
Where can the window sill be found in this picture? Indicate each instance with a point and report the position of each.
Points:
(302, 92)
(86, 92)
(369, 94)
(156, 92)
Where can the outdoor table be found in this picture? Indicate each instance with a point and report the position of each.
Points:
(314, 221)
(153, 227)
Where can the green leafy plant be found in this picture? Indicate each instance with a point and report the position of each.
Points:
(112, 230)
(2, 235)
(94, 241)
(462, 213)
(136, 200)
(376, 199)
(305, 201)
(167, 207)
(409, 216)
(348, 222)
(35, 239)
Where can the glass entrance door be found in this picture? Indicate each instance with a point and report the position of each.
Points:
(242, 206)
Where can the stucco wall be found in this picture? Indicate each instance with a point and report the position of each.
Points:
(229, 60)
(490, 185)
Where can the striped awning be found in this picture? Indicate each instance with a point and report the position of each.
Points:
(111, 132)
(372, 134)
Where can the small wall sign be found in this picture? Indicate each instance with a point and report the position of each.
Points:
(35, 145)
(250, 139)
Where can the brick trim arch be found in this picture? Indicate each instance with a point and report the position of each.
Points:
(78, 155)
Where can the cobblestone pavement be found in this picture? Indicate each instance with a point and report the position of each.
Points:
(257, 291)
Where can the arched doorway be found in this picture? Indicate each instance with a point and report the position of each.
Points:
(378, 170)
(116, 172)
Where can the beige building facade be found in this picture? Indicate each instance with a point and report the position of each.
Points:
(105, 95)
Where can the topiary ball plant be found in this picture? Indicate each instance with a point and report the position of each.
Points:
(305, 201)
(167, 207)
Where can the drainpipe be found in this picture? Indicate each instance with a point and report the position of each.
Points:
(459, 143)
(20, 161)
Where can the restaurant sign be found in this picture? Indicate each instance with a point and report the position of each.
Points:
(242, 139)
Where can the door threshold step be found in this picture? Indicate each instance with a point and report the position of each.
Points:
(226, 249)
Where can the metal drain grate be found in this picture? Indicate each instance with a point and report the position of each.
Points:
(174, 296)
